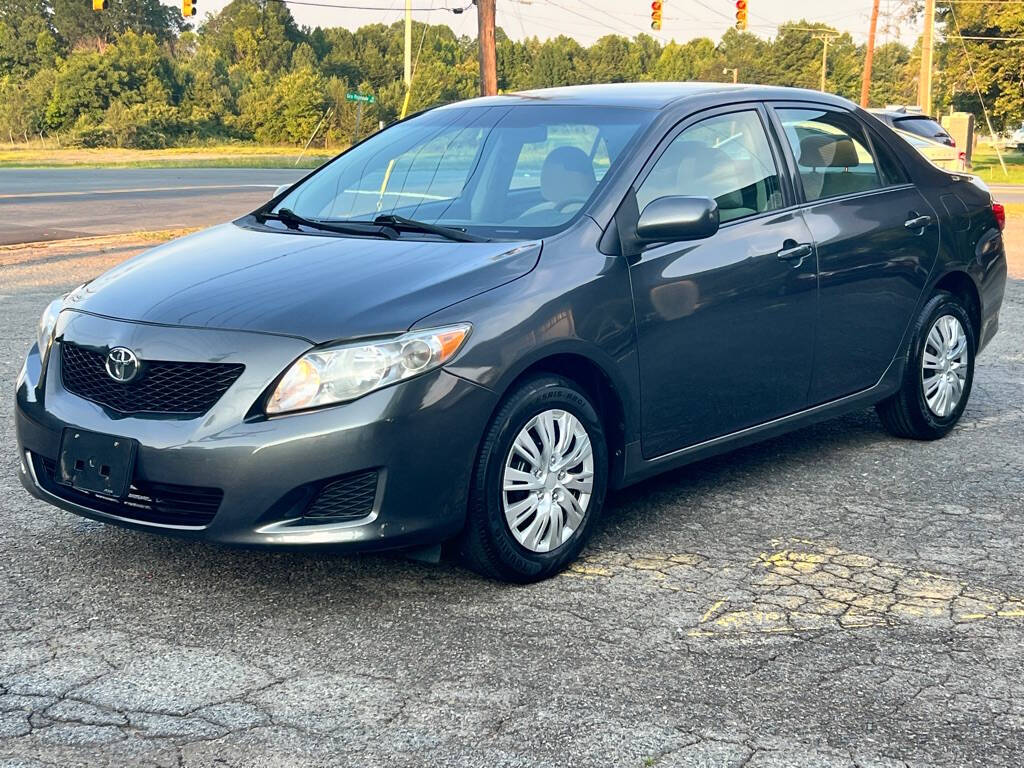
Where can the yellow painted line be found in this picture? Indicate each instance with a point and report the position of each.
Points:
(711, 611)
(588, 570)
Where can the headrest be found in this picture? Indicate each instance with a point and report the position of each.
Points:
(710, 172)
(817, 151)
(567, 174)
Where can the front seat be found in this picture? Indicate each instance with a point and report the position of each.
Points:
(819, 151)
(711, 172)
(566, 182)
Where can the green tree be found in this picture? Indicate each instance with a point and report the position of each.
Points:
(560, 61)
(286, 111)
(745, 52)
(254, 35)
(893, 76)
(78, 25)
(997, 69)
(691, 60)
(795, 59)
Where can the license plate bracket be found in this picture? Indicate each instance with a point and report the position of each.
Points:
(96, 463)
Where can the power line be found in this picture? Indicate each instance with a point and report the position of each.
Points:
(992, 39)
(353, 7)
(604, 24)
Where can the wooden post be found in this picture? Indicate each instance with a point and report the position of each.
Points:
(359, 119)
(869, 57)
(924, 80)
(408, 44)
(485, 35)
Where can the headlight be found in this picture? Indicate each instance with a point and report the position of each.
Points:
(342, 373)
(44, 334)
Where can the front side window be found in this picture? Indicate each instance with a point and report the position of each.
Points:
(726, 158)
(831, 153)
(506, 172)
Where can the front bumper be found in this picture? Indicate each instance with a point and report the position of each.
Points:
(420, 436)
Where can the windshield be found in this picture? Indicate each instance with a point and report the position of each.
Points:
(504, 172)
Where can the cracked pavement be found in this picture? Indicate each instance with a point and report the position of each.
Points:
(833, 597)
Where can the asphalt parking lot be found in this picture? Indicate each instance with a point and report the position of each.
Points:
(834, 597)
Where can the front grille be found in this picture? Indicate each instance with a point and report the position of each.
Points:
(160, 387)
(160, 503)
(349, 497)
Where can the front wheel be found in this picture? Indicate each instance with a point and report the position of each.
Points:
(939, 374)
(539, 483)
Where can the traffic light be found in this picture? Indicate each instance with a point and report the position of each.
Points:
(99, 5)
(656, 14)
(741, 14)
(188, 7)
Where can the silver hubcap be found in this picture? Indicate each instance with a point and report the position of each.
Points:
(944, 365)
(548, 479)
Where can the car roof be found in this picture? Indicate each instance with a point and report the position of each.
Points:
(901, 114)
(651, 95)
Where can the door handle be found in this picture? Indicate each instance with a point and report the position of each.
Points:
(801, 251)
(918, 222)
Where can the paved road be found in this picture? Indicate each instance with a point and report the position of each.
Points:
(834, 597)
(1008, 193)
(37, 205)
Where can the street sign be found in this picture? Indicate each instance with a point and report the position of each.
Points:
(354, 96)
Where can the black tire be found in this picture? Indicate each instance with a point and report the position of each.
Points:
(487, 544)
(906, 413)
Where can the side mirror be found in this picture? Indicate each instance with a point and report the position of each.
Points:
(669, 219)
(279, 190)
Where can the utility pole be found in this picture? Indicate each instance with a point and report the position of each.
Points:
(826, 38)
(924, 80)
(485, 35)
(408, 44)
(869, 57)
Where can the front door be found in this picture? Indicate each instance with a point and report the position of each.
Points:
(877, 238)
(725, 324)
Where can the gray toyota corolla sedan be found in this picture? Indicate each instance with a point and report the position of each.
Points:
(472, 325)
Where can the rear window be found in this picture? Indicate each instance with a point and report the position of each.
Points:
(921, 126)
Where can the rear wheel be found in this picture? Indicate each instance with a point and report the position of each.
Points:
(539, 483)
(940, 372)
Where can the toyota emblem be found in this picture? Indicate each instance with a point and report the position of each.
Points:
(122, 364)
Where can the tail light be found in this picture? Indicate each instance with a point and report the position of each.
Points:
(1000, 214)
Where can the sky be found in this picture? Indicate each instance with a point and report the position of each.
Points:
(587, 20)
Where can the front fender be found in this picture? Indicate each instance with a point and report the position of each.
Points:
(577, 301)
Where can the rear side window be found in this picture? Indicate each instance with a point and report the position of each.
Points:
(726, 158)
(892, 171)
(921, 126)
(831, 153)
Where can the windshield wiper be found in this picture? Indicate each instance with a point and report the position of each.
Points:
(292, 220)
(401, 223)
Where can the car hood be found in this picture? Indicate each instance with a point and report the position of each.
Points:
(316, 287)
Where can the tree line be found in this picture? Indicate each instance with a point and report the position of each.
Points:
(136, 75)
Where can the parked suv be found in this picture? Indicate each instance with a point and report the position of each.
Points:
(916, 123)
(470, 327)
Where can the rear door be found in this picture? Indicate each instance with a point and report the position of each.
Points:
(725, 324)
(876, 237)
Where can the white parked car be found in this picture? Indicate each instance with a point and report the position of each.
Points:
(941, 154)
